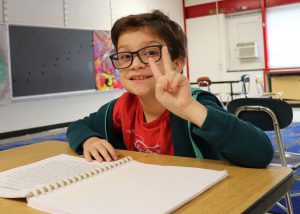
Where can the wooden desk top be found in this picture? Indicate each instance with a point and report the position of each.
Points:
(245, 190)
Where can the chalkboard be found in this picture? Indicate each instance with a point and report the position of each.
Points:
(50, 60)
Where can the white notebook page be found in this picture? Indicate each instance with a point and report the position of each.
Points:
(132, 188)
(19, 181)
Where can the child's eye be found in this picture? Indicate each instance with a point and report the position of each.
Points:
(152, 53)
(124, 56)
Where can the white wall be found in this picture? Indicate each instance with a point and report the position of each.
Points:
(244, 28)
(36, 112)
(172, 8)
(205, 47)
(82, 14)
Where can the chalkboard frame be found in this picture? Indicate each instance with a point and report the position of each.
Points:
(61, 61)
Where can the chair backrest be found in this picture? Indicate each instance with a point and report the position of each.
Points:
(259, 85)
(204, 82)
(256, 111)
(266, 113)
(245, 79)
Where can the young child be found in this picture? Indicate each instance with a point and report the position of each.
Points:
(158, 114)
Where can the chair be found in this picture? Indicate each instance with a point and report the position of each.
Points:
(269, 115)
(245, 84)
(206, 82)
(261, 89)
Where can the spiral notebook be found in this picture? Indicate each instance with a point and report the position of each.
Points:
(69, 184)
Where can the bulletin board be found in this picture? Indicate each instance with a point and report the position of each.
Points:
(50, 60)
(5, 87)
(107, 77)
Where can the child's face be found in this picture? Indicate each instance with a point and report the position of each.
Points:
(138, 78)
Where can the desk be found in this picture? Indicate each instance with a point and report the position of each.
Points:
(231, 82)
(245, 190)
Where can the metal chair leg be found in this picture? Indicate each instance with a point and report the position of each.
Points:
(296, 194)
(288, 208)
(288, 202)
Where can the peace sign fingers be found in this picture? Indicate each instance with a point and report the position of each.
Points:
(155, 70)
(166, 60)
(167, 64)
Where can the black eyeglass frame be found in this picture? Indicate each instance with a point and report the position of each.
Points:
(133, 53)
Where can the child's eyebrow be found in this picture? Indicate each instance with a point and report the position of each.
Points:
(143, 45)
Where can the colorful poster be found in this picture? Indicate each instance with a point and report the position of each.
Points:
(5, 89)
(107, 77)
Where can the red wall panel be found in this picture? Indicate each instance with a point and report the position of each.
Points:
(231, 6)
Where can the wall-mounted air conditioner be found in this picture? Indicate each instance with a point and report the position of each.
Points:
(246, 50)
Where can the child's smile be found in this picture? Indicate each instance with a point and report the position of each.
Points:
(140, 79)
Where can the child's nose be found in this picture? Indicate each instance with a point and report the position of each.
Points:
(136, 62)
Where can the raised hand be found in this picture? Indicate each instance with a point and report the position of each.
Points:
(173, 90)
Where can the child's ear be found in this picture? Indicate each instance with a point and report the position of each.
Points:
(179, 64)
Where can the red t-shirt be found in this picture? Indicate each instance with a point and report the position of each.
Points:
(152, 137)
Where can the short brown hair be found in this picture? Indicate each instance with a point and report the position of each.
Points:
(158, 23)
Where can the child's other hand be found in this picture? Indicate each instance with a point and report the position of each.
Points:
(99, 149)
(172, 88)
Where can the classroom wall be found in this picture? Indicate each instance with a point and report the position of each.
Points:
(205, 44)
(212, 49)
(39, 111)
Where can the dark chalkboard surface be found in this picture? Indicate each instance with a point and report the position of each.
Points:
(50, 60)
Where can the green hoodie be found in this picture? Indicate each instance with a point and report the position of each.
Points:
(222, 135)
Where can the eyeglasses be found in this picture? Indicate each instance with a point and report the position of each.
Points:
(123, 60)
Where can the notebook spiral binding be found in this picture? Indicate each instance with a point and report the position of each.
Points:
(74, 179)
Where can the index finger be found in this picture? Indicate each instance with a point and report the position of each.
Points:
(167, 62)
(111, 150)
(155, 70)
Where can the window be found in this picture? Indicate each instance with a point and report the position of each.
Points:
(284, 36)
